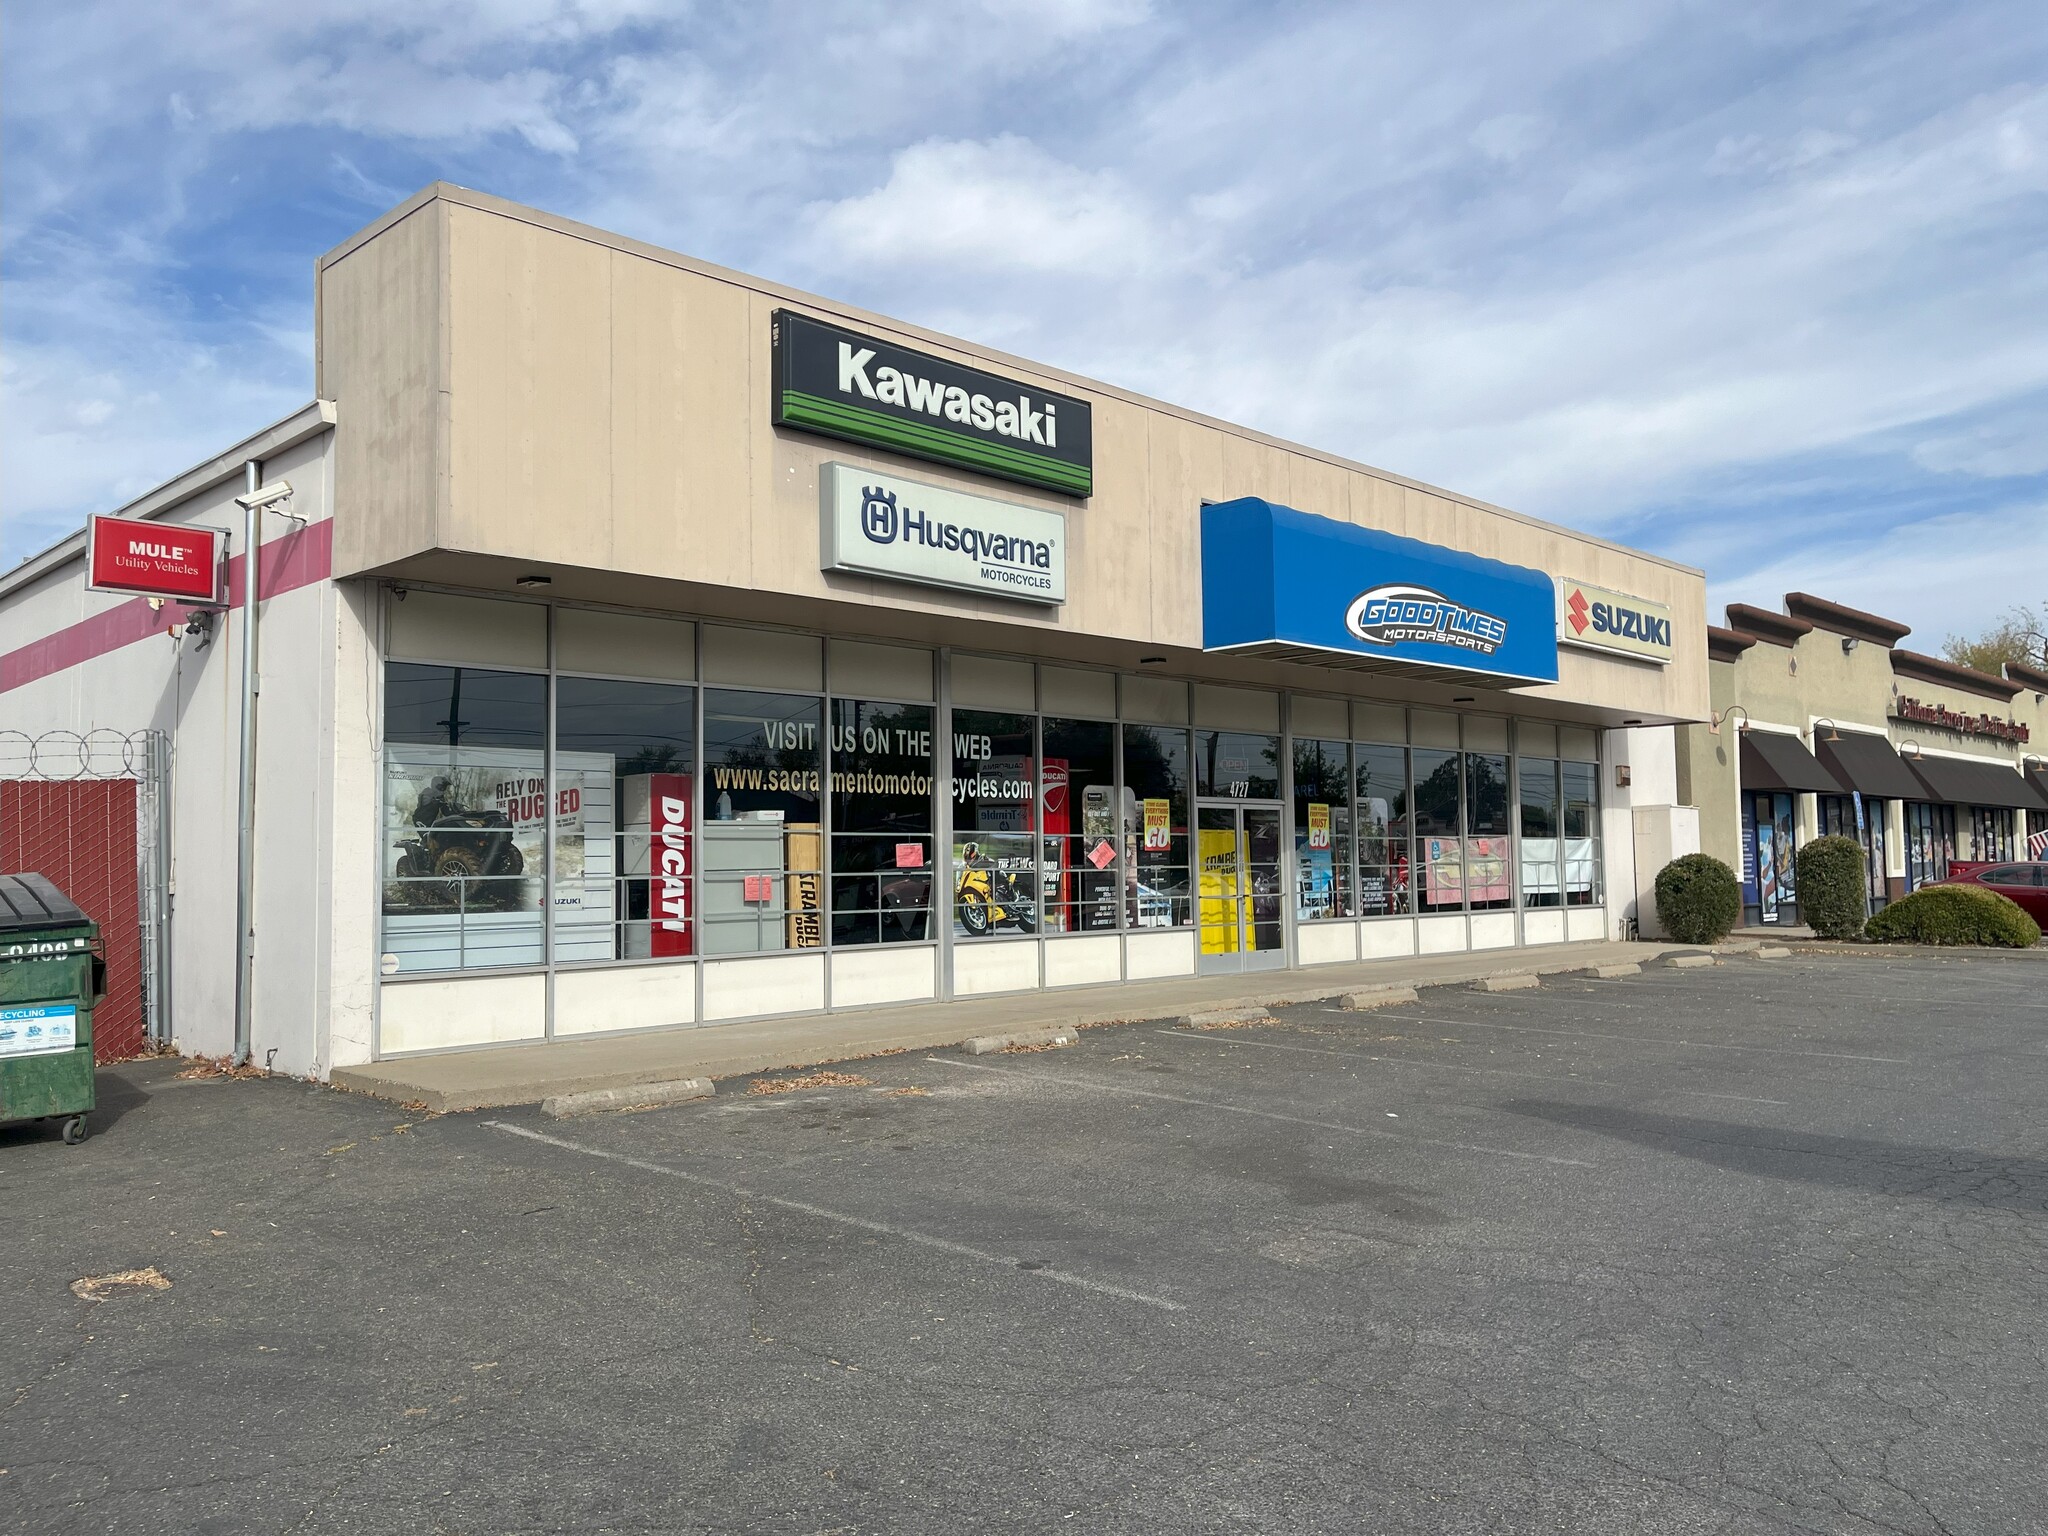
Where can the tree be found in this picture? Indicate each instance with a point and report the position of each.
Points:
(2021, 636)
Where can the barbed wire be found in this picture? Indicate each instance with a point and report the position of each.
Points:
(94, 754)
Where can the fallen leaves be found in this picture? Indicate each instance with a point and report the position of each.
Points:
(912, 1092)
(100, 1287)
(807, 1082)
(222, 1066)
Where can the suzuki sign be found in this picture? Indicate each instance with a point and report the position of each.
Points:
(1599, 620)
(884, 525)
(153, 559)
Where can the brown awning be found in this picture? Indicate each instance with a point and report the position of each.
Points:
(1867, 764)
(1963, 781)
(1771, 760)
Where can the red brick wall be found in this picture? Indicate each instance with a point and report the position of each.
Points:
(81, 834)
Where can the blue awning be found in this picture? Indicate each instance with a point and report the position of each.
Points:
(1295, 587)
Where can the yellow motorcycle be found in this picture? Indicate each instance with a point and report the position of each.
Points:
(987, 897)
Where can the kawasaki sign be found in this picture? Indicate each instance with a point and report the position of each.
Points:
(843, 384)
(884, 525)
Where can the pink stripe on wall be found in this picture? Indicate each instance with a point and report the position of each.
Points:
(299, 559)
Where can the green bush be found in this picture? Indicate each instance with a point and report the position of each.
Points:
(1698, 898)
(1955, 914)
(1828, 875)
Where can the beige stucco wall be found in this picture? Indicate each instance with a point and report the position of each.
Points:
(1817, 678)
(520, 391)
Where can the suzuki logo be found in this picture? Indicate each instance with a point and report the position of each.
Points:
(1576, 606)
(878, 514)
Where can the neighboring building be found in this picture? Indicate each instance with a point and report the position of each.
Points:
(663, 647)
(1823, 725)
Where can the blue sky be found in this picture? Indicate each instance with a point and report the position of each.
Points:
(1760, 287)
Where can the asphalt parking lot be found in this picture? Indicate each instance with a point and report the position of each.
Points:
(1756, 1248)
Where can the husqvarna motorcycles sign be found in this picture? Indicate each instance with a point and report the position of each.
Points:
(846, 384)
(884, 525)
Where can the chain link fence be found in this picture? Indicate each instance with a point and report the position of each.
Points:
(92, 812)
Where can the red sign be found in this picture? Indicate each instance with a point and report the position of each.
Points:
(154, 559)
(668, 798)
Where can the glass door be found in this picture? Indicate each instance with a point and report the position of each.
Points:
(1242, 886)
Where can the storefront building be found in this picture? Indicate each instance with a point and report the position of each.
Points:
(662, 648)
(1824, 725)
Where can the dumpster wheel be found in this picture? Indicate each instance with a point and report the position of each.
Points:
(75, 1130)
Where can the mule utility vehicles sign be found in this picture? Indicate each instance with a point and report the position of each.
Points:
(126, 554)
(866, 390)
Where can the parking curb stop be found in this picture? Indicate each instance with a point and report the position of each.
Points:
(1021, 1039)
(597, 1101)
(1379, 997)
(1520, 983)
(1213, 1018)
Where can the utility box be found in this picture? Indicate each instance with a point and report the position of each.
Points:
(51, 974)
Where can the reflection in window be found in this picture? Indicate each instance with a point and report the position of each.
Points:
(882, 849)
(1489, 877)
(760, 881)
(1381, 799)
(1155, 825)
(625, 785)
(995, 824)
(1581, 795)
(1322, 830)
(465, 817)
(1439, 830)
(1079, 872)
(1234, 765)
(1542, 855)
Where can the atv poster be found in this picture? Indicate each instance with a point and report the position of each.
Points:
(465, 845)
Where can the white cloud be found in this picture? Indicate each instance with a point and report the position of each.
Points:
(990, 208)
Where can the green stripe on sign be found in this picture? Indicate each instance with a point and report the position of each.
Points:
(924, 440)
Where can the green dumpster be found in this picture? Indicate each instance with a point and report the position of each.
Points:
(51, 974)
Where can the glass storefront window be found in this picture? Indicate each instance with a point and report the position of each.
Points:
(1439, 830)
(625, 846)
(1380, 801)
(1155, 826)
(761, 874)
(1322, 830)
(1542, 855)
(1489, 849)
(1580, 783)
(465, 817)
(1237, 765)
(882, 846)
(1991, 833)
(1930, 842)
(1078, 872)
(995, 824)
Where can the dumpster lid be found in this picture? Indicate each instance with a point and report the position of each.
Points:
(31, 901)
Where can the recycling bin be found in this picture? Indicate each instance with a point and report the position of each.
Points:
(51, 974)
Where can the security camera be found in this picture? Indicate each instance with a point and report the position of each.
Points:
(273, 495)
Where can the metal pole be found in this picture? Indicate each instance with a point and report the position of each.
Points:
(245, 846)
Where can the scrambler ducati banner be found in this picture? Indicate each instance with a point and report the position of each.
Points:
(843, 384)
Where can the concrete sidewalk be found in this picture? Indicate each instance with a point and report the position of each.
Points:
(528, 1073)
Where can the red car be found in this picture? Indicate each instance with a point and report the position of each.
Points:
(2026, 884)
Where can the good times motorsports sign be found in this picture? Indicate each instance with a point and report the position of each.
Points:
(876, 524)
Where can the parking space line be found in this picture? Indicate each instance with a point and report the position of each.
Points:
(1587, 1034)
(881, 1228)
(1261, 1114)
(1446, 1066)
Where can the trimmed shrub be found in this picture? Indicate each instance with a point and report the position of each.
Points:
(1828, 874)
(1955, 914)
(1698, 898)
